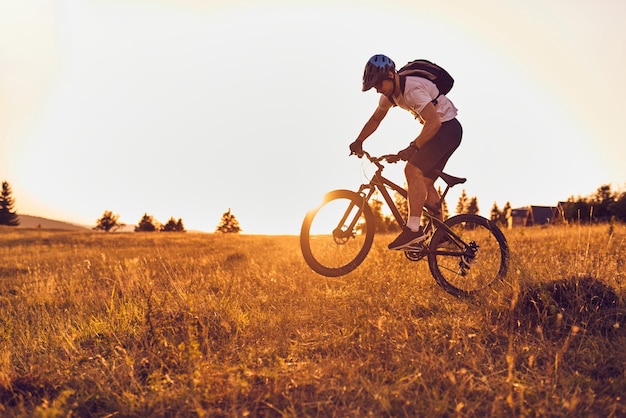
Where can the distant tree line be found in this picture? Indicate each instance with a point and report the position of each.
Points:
(602, 206)
(387, 224)
(605, 205)
(500, 217)
(149, 224)
(109, 222)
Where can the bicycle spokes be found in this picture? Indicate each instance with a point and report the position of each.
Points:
(464, 268)
(336, 236)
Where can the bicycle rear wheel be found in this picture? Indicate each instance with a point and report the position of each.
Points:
(473, 256)
(336, 236)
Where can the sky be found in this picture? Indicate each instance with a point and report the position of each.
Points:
(188, 108)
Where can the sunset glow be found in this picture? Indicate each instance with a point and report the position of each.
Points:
(185, 110)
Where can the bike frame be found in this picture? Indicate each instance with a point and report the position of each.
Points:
(465, 254)
(380, 183)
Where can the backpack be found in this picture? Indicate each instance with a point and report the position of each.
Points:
(428, 70)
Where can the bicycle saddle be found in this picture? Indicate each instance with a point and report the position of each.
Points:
(450, 180)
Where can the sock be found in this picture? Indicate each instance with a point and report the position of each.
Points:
(414, 223)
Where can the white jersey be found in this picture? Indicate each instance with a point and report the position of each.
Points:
(418, 92)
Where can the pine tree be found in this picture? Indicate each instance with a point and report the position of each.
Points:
(108, 222)
(228, 224)
(505, 214)
(146, 224)
(473, 206)
(463, 204)
(495, 214)
(445, 213)
(8, 216)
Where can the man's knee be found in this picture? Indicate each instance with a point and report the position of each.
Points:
(413, 173)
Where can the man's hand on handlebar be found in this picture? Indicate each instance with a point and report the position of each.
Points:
(407, 153)
(393, 158)
(356, 148)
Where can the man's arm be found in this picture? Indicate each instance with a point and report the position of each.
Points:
(431, 126)
(372, 124)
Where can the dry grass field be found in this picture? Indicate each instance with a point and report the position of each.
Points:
(178, 325)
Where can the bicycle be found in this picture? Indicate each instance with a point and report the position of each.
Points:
(466, 253)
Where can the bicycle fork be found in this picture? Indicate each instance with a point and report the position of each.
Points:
(342, 233)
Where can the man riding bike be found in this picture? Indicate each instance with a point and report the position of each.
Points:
(439, 137)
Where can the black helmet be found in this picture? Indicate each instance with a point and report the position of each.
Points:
(377, 69)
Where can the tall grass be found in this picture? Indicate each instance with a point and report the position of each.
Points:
(234, 325)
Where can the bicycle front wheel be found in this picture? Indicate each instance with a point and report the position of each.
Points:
(472, 255)
(336, 236)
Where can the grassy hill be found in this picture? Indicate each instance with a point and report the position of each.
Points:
(28, 221)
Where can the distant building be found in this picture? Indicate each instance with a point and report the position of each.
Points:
(535, 215)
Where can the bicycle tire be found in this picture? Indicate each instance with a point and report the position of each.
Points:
(476, 262)
(329, 248)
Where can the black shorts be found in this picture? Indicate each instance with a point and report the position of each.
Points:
(435, 153)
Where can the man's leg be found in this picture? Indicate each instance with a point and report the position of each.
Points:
(417, 192)
(433, 156)
(432, 196)
(412, 233)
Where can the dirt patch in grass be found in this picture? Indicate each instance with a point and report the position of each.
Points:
(557, 306)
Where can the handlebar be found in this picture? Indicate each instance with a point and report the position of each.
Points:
(390, 158)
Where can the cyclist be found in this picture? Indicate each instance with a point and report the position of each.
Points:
(439, 137)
